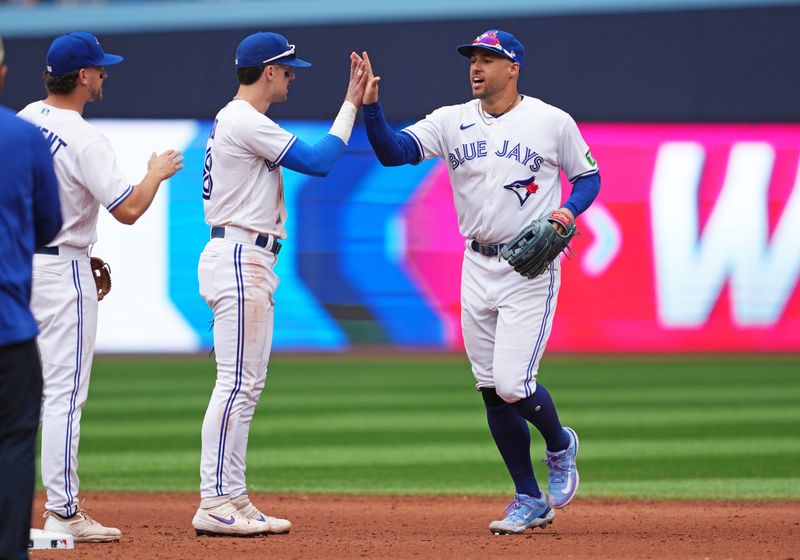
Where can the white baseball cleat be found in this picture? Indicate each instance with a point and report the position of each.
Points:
(225, 521)
(82, 527)
(277, 525)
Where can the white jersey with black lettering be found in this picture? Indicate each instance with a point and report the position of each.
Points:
(63, 296)
(505, 173)
(86, 167)
(242, 182)
(505, 170)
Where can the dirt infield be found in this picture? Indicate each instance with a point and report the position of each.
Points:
(158, 526)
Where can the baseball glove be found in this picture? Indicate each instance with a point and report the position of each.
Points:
(532, 251)
(102, 276)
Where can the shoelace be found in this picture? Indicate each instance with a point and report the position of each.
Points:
(512, 507)
(557, 471)
(514, 510)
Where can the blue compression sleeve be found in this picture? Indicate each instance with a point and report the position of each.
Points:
(392, 148)
(584, 191)
(316, 160)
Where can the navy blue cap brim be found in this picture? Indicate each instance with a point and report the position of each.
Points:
(109, 59)
(466, 50)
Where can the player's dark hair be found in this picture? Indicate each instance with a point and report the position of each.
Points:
(60, 85)
(249, 76)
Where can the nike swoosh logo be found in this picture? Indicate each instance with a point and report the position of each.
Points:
(528, 516)
(261, 518)
(466, 126)
(230, 521)
(568, 486)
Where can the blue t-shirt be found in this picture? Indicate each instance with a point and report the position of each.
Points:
(30, 217)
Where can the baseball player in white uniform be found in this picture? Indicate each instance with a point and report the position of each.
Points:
(64, 297)
(504, 153)
(244, 207)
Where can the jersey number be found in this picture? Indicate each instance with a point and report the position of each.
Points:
(208, 182)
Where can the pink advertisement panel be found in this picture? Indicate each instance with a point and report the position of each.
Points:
(692, 245)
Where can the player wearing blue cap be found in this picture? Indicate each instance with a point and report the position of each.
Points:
(64, 299)
(504, 153)
(244, 206)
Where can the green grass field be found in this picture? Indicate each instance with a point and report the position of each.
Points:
(694, 427)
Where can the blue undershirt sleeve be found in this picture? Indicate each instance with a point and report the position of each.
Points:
(392, 148)
(316, 160)
(584, 191)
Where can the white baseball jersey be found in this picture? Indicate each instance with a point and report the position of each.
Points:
(86, 167)
(242, 182)
(64, 298)
(504, 171)
(242, 190)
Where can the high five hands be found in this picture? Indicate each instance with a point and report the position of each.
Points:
(358, 80)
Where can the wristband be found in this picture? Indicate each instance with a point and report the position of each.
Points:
(343, 123)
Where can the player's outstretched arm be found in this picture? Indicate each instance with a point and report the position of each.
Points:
(159, 168)
(392, 148)
(318, 160)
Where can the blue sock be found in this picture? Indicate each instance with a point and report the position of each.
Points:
(513, 439)
(539, 410)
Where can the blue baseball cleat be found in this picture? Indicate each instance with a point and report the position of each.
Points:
(562, 472)
(522, 513)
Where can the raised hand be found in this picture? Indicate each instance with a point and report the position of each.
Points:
(371, 88)
(358, 79)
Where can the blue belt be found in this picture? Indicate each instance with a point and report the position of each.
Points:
(46, 251)
(486, 249)
(261, 240)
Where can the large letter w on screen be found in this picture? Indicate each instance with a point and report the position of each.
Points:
(691, 267)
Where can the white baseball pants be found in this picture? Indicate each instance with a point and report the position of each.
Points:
(237, 282)
(506, 320)
(64, 302)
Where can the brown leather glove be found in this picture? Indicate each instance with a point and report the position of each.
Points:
(102, 276)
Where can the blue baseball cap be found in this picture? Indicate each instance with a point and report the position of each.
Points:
(260, 49)
(74, 51)
(496, 41)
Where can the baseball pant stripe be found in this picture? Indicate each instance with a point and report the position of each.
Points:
(76, 379)
(237, 266)
(542, 330)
